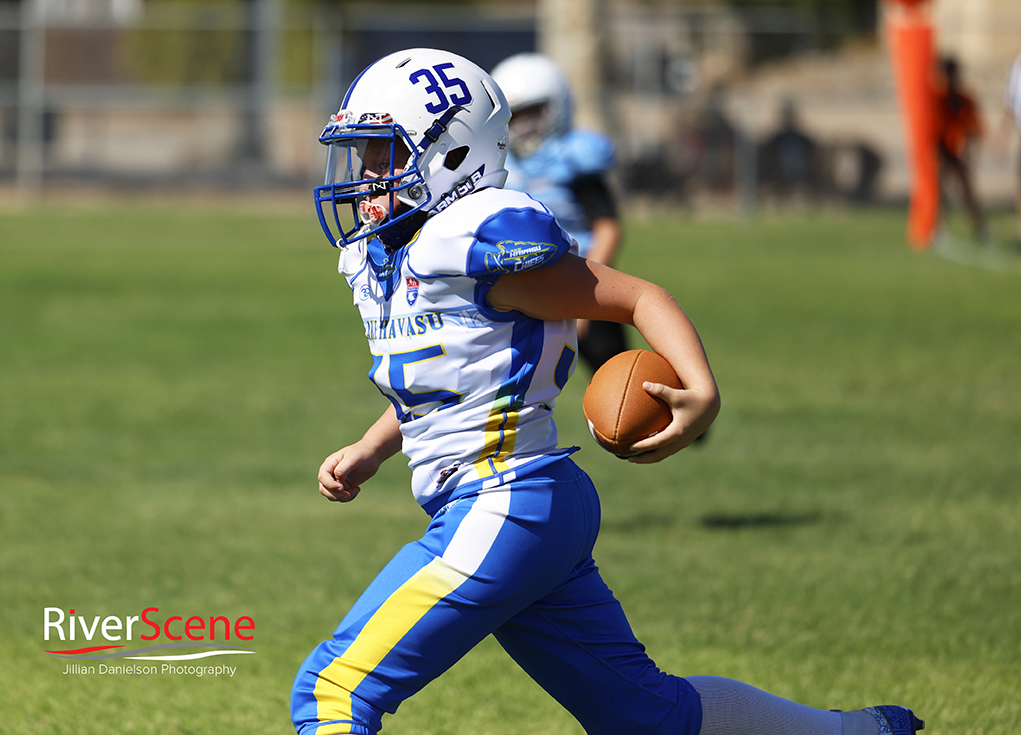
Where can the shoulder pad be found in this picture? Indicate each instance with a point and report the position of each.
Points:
(515, 240)
(589, 152)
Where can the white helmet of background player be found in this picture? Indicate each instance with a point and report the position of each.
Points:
(540, 99)
(450, 116)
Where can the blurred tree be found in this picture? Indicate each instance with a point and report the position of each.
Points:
(202, 43)
(785, 27)
(856, 16)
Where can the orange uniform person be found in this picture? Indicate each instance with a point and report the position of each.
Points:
(958, 126)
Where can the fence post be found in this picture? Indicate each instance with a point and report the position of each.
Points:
(746, 172)
(31, 98)
(264, 26)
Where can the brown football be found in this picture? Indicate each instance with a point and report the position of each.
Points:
(618, 410)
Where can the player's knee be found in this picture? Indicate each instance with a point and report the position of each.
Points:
(672, 707)
(320, 697)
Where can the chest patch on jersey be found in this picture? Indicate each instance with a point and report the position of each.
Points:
(411, 290)
(511, 256)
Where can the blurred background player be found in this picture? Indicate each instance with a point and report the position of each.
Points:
(1012, 117)
(566, 170)
(959, 126)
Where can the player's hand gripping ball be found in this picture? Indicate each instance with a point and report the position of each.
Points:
(618, 410)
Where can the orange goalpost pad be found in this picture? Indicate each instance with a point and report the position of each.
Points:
(911, 40)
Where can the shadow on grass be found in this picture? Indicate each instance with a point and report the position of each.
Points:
(713, 521)
(639, 522)
(738, 521)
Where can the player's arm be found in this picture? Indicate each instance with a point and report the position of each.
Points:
(342, 473)
(574, 288)
(593, 195)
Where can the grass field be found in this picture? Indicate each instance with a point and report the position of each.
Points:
(850, 533)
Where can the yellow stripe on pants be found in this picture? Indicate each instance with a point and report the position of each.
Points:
(384, 630)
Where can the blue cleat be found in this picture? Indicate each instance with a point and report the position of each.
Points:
(894, 720)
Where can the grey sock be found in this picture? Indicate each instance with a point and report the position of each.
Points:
(732, 708)
(859, 722)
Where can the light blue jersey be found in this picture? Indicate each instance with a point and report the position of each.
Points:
(548, 174)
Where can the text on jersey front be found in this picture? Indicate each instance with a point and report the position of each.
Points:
(402, 326)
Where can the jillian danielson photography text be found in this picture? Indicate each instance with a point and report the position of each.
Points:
(149, 670)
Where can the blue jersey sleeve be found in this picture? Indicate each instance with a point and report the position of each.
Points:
(514, 240)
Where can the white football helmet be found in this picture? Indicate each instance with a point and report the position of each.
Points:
(530, 81)
(449, 114)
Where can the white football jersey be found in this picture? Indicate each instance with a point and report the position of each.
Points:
(1012, 94)
(474, 387)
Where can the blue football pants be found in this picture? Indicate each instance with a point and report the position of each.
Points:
(514, 561)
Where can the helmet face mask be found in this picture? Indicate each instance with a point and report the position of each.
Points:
(530, 126)
(362, 197)
(441, 113)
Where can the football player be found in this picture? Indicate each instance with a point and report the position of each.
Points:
(566, 169)
(1012, 120)
(468, 294)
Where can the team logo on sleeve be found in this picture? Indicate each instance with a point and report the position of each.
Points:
(411, 290)
(511, 257)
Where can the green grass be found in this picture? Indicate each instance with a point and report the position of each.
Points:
(850, 534)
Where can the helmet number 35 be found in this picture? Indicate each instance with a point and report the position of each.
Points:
(459, 96)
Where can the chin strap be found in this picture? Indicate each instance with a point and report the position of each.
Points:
(439, 127)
